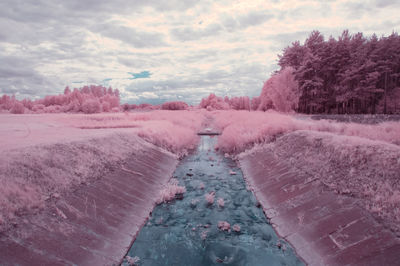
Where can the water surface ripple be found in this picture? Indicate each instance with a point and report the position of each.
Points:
(185, 232)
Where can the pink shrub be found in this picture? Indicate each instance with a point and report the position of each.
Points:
(281, 92)
(213, 102)
(6, 102)
(242, 130)
(38, 108)
(53, 109)
(171, 137)
(170, 191)
(255, 103)
(132, 261)
(89, 99)
(175, 131)
(174, 106)
(17, 108)
(91, 106)
(105, 107)
(239, 103)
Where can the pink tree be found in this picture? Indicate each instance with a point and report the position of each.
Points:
(280, 92)
(213, 102)
(177, 105)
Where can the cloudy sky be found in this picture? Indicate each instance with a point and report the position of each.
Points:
(153, 50)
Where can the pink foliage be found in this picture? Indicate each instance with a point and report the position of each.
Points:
(242, 130)
(132, 261)
(88, 99)
(210, 197)
(352, 74)
(18, 108)
(221, 202)
(165, 134)
(174, 106)
(170, 191)
(213, 102)
(365, 169)
(91, 106)
(255, 103)
(236, 228)
(239, 103)
(224, 226)
(280, 92)
(175, 131)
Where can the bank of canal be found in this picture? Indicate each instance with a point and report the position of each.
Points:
(233, 230)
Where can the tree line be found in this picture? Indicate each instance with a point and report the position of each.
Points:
(352, 74)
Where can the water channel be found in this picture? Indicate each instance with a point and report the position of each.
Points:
(232, 230)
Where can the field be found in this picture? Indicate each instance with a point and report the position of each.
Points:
(45, 157)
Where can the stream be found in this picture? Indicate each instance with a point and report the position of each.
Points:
(231, 230)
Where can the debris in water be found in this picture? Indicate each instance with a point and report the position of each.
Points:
(224, 226)
(132, 261)
(221, 202)
(236, 228)
(210, 197)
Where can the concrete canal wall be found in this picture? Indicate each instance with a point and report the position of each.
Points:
(95, 222)
(324, 226)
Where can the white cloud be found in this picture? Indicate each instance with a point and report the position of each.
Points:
(191, 47)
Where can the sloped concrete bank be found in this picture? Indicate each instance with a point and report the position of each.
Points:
(93, 222)
(308, 184)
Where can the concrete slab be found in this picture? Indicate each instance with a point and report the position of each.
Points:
(325, 228)
(96, 223)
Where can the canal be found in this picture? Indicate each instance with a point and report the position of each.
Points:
(216, 222)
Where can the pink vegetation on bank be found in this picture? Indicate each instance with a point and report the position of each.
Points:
(175, 131)
(39, 146)
(241, 130)
(170, 191)
(88, 99)
(33, 175)
(358, 167)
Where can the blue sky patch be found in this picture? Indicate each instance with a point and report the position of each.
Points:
(140, 75)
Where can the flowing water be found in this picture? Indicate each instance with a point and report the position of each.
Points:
(185, 231)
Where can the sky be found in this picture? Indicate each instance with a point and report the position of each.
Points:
(155, 51)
